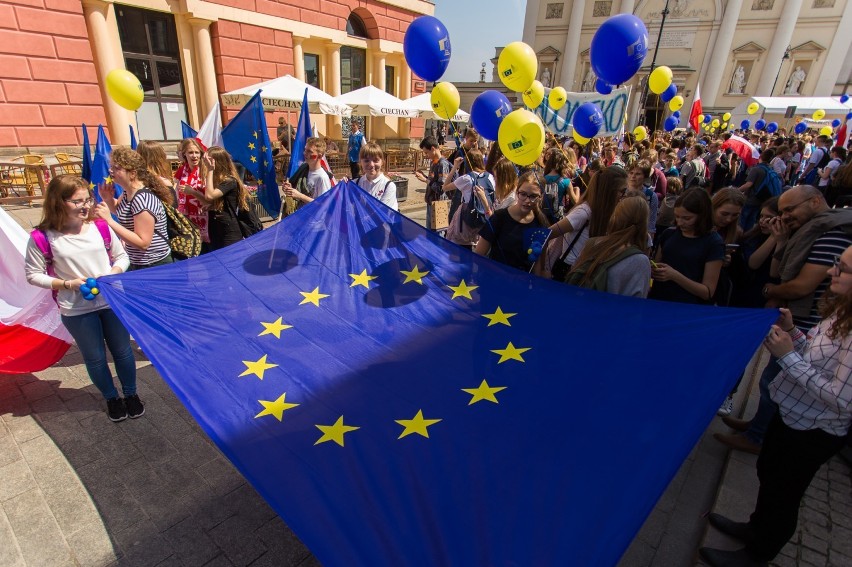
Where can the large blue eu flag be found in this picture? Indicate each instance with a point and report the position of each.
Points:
(399, 400)
(247, 140)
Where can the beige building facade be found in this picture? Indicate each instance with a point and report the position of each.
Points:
(733, 48)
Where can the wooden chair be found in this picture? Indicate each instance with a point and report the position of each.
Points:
(15, 177)
(63, 157)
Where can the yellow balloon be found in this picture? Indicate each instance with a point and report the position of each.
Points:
(819, 114)
(715, 123)
(701, 119)
(517, 66)
(534, 95)
(676, 103)
(660, 79)
(640, 133)
(752, 108)
(826, 131)
(582, 140)
(557, 98)
(521, 137)
(726, 116)
(124, 88)
(445, 100)
(724, 124)
(712, 130)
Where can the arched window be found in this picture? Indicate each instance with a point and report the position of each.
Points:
(355, 26)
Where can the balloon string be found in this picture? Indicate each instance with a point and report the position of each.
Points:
(456, 135)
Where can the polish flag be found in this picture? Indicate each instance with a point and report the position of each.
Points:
(210, 133)
(32, 336)
(743, 148)
(696, 109)
(843, 133)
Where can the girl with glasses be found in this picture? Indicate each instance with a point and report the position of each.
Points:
(78, 250)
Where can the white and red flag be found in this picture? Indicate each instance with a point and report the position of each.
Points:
(210, 133)
(696, 109)
(743, 148)
(32, 336)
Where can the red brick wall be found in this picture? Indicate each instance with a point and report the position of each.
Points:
(48, 84)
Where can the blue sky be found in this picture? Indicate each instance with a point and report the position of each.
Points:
(476, 27)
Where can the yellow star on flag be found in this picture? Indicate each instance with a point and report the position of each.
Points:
(334, 432)
(276, 408)
(255, 134)
(251, 145)
(498, 317)
(313, 296)
(274, 328)
(483, 392)
(107, 180)
(265, 163)
(510, 353)
(361, 279)
(92, 186)
(253, 159)
(263, 149)
(257, 367)
(462, 290)
(414, 275)
(417, 425)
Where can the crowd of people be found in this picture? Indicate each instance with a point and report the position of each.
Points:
(674, 218)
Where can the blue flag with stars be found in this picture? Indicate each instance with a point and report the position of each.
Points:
(247, 140)
(100, 165)
(303, 132)
(399, 400)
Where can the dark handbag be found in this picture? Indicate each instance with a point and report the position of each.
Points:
(246, 219)
(560, 269)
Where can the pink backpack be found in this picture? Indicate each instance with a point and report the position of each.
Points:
(43, 244)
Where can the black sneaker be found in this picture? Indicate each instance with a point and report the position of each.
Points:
(116, 409)
(135, 407)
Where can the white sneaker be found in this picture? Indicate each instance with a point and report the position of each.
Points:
(727, 407)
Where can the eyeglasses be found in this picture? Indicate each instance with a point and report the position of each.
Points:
(839, 268)
(529, 196)
(80, 202)
(789, 210)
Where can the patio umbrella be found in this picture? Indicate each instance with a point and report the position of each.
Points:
(423, 103)
(372, 101)
(285, 94)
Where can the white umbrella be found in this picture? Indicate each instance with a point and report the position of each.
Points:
(285, 94)
(423, 103)
(372, 101)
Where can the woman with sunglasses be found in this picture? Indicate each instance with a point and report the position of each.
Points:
(78, 249)
(813, 392)
(504, 238)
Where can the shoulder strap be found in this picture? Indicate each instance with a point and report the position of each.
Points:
(573, 242)
(43, 244)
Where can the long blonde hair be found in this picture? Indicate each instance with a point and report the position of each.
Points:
(505, 177)
(224, 170)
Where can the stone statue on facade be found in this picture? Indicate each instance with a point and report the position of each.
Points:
(738, 81)
(589, 81)
(545, 77)
(795, 83)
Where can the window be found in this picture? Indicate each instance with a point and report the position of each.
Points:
(353, 69)
(390, 84)
(312, 70)
(355, 26)
(150, 46)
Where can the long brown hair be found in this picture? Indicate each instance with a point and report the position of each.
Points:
(843, 177)
(155, 157)
(224, 170)
(531, 177)
(627, 227)
(605, 189)
(505, 178)
(54, 212)
(182, 148)
(732, 196)
(130, 160)
(841, 307)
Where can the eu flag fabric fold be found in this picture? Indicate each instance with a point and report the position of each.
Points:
(87, 156)
(303, 132)
(100, 164)
(133, 142)
(247, 140)
(399, 400)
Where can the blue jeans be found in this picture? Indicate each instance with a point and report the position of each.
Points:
(766, 408)
(90, 330)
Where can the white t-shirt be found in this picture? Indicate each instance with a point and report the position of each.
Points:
(578, 217)
(831, 167)
(779, 166)
(381, 188)
(318, 182)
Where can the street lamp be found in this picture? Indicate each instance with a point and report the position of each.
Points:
(778, 74)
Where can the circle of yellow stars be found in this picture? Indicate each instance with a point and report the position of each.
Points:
(419, 424)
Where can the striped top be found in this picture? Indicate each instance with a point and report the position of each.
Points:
(823, 252)
(126, 210)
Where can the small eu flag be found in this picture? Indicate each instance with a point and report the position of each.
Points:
(247, 140)
(100, 165)
(399, 400)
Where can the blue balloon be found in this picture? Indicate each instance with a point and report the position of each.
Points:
(603, 87)
(708, 119)
(760, 124)
(587, 120)
(745, 124)
(618, 48)
(669, 93)
(488, 111)
(670, 124)
(676, 114)
(771, 127)
(91, 282)
(835, 123)
(800, 128)
(427, 47)
(849, 116)
(844, 97)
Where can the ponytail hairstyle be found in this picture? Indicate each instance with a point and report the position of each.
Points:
(224, 170)
(131, 161)
(54, 213)
(531, 178)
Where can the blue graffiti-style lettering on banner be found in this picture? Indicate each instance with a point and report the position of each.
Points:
(613, 106)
